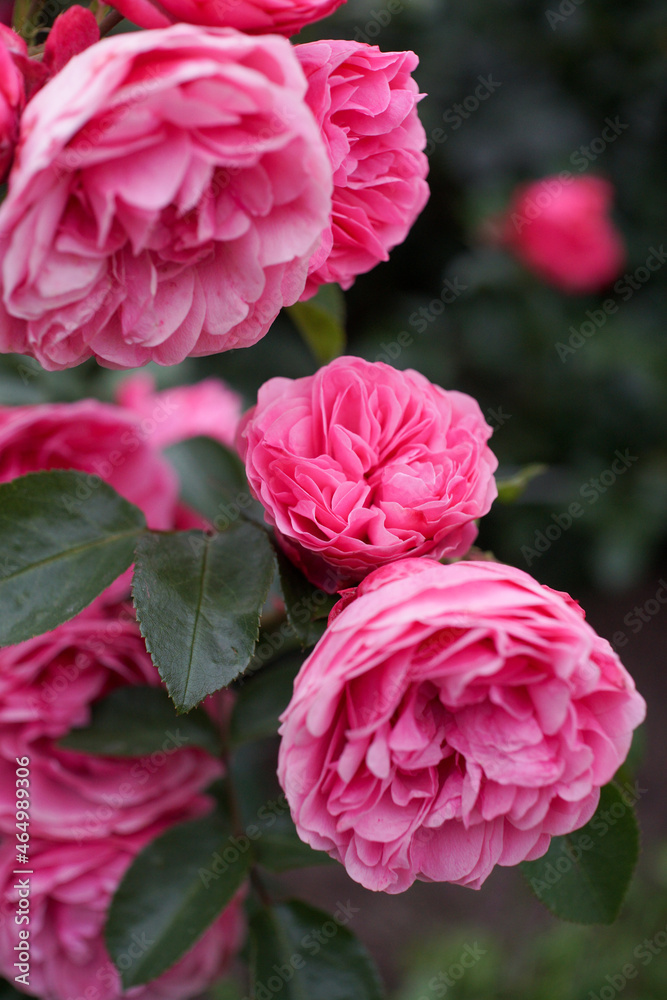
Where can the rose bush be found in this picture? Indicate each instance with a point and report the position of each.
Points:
(285, 17)
(68, 903)
(564, 232)
(170, 190)
(361, 464)
(452, 718)
(365, 101)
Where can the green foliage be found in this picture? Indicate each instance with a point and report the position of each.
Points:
(132, 721)
(212, 478)
(509, 490)
(307, 606)
(173, 890)
(585, 875)
(64, 538)
(314, 956)
(321, 322)
(261, 699)
(198, 599)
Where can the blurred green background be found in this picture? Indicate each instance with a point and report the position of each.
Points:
(559, 69)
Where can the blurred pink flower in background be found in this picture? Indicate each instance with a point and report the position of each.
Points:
(452, 718)
(70, 892)
(170, 190)
(284, 17)
(365, 101)
(563, 231)
(362, 464)
(209, 408)
(98, 438)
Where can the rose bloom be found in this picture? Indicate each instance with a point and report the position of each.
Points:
(70, 892)
(564, 233)
(450, 719)
(12, 95)
(361, 464)
(284, 17)
(170, 189)
(366, 103)
(47, 687)
(98, 438)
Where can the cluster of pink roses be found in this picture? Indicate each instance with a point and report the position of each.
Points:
(453, 717)
(172, 189)
(90, 815)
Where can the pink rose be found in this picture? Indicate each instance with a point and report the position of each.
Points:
(70, 892)
(564, 233)
(452, 718)
(12, 95)
(169, 192)
(73, 31)
(361, 464)
(47, 687)
(283, 17)
(366, 103)
(93, 437)
(209, 408)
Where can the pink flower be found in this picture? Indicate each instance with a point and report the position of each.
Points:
(93, 437)
(562, 231)
(169, 190)
(73, 31)
(452, 718)
(12, 94)
(366, 103)
(70, 892)
(47, 687)
(283, 17)
(361, 464)
(209, 408)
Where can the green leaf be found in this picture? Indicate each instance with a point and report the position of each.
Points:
(509, 490)
(198, 599)
(213, 480)
(261, 699)
(64, 538)
(173, 890)
(312, 954)
(321, 322)
(307, 606)
(132, 721)
(7, 992)
(585, 875)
